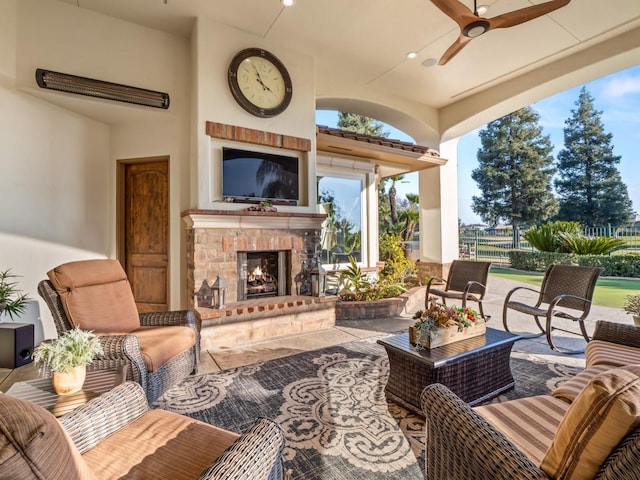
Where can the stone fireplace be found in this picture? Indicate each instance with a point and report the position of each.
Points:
(263, 257)
(257, 254)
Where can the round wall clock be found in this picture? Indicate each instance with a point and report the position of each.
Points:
(260, 82)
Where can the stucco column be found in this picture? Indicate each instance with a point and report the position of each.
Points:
(438, 188)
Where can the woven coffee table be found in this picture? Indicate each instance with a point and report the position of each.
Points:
(475, 369)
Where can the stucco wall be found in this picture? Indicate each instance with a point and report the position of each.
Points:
(57, 163)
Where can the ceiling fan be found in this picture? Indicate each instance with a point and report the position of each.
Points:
(472, 25)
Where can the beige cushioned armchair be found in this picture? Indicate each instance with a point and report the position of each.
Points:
(159, 348)
(117, 436)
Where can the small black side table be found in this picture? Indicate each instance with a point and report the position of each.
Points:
(41, 392)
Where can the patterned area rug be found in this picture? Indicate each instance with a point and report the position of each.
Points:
(332, 406)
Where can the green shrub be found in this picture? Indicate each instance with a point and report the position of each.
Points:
(397, 266)
(355, 285)
(539, 261)
(627, 265)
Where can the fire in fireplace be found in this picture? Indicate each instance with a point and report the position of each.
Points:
(262, 274)
(261, 282)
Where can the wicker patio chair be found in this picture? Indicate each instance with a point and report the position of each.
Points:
(462, 444)
(566, 293)
(467, 281)
(255, 455)
(122, 348)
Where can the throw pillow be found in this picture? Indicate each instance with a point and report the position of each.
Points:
(599, 418)
(34, 446)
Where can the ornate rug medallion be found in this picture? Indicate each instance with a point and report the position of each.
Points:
(342, 411)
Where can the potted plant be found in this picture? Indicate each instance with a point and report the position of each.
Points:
(440, 325)
(632, 306)
(12, 300)
(67, 358)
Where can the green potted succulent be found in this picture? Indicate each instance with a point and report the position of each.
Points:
(632, 306)
(67, 357)
(12, 300)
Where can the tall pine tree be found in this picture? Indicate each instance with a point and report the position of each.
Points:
(590, 188)
(361, 124)
(515, 171)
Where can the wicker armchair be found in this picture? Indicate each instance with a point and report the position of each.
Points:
(566, 293)
(462, 443)
(467, 281)
(185, 445)
(126, 349)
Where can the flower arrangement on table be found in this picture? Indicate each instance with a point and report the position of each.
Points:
(440, 324)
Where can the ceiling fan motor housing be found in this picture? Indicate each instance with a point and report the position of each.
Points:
(475, 29)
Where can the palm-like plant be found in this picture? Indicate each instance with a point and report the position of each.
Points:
(393, 204)
(410, 216)
(12, 300)
(545, 238)
(581, 245)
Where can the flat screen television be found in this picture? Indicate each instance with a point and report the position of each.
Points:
(257, 176)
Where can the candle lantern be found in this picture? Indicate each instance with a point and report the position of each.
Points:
(318, 278)
(204, 296)
(218, 289)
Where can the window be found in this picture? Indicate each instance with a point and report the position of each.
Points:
(341, 198)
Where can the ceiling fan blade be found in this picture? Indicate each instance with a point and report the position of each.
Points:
(456, 11)
(525, 14)
(454, 49)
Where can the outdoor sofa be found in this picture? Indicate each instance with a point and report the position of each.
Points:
(586, 428)
(117, 436)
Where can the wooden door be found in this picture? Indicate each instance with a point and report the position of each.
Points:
(146, 232)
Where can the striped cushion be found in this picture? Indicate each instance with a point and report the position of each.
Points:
(529, 423)
(599, 352)
(600, 417)
(569, 390)
(33, 445)
(159, 445)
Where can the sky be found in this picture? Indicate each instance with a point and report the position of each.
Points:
(617, 96)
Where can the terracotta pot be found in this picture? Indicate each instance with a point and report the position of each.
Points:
(69, 381)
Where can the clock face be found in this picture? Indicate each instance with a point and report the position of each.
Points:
(259, 82)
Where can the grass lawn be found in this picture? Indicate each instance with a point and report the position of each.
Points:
(610, 292)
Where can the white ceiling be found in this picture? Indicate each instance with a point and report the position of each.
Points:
(360, 49)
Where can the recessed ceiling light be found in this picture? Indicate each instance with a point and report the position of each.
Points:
(412, 55)
(287, 3)
(482, 9)
(429, 62)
